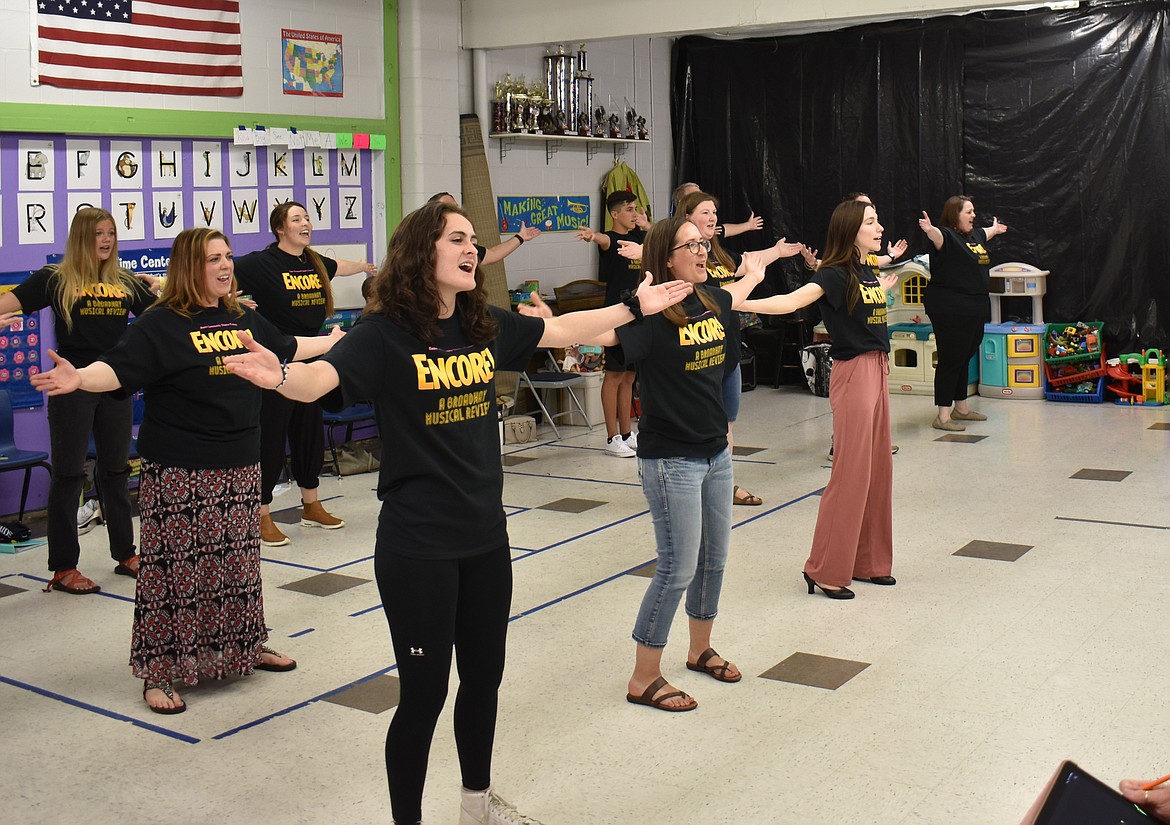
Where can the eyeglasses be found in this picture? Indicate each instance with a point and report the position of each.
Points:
(694, 246)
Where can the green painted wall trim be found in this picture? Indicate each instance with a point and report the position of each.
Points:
(118, 121)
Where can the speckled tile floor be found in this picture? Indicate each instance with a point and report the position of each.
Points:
(980, 673)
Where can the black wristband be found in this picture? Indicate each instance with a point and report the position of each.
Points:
(517, 237)
(630, 299)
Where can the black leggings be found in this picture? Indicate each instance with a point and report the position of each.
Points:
(958, 338)
(300, 424)
(432, 605)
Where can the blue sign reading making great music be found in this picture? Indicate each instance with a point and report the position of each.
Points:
(548, 213)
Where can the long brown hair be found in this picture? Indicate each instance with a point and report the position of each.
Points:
(79, 268)
(689, 204)
(950, 211)
(186, 284)
(404, 289)
(277, 221)
(841, 246)
(656, 251)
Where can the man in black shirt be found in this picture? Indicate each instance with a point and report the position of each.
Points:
(618, 274)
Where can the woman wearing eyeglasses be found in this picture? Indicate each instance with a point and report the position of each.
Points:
(702, 210)
(683, 356)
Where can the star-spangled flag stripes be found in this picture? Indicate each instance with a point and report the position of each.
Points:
(178, 47)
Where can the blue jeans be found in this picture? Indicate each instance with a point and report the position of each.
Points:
(690, 502)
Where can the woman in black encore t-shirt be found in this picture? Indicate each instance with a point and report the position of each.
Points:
(426, 352)
(290, 283)
(92, 299)
(683, 356)
(853, 539)
(957, 303)
(198, 608)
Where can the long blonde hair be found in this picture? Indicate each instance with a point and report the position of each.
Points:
(186, 283)
(79, 269)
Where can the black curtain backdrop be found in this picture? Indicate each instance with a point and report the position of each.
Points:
(1055, 122)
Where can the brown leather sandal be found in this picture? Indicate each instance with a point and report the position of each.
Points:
(263, 665)
(166, 688)
(71, 581)
(128, 567)
(742, 496)
(659, 702)
(719, 672)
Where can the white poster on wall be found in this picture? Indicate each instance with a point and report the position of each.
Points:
(83, 165)
(207, 164)
(275, 197)
(349, 166)
(34, 214)
(316, 167)
(129, 215)
(168, 214)
(208, 210)
(36, 166)
(166, 164)
(125, 159)
(320, 207)
(242, 166)
(82, 200)
(350, 203)
(245, 212)
(279, 167)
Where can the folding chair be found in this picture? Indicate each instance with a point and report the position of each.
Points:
(554, 378)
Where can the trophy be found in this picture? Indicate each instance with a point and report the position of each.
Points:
(643, 130)
(599, 119)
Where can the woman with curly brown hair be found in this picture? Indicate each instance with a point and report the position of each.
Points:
(198, 607)
(426, 351)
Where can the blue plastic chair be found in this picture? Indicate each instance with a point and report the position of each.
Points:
(350, 417)
(14, 458)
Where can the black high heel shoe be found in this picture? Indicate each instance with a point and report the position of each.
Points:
(886, 580)
(836, 593)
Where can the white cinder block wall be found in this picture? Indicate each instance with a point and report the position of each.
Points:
(438, 85)
(429, 105)
(359, 22)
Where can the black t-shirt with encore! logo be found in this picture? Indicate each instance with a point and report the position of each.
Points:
(864, 329)
(441, 493)
(959, 275)
(99, 314)
(197, 415)
(287, 290)
(681, 370)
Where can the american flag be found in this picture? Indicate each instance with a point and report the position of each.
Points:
(178, 47)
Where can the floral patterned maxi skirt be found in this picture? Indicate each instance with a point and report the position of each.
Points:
(198, 608)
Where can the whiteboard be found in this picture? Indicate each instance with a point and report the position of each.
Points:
(347, 291)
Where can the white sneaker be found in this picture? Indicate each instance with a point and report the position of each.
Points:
(489, 808)
(632, 442)
(617, 447)
(88, 516)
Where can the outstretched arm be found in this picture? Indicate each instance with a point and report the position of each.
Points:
(64, 378)
(589, 236)
(897, 250)
(505, 248)
(597, 325)
(933, 232)
(784, 304)
(753, 223)
(300, 382)
(310, 346)
(996, 228)
(345, 268)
